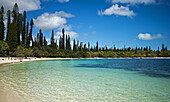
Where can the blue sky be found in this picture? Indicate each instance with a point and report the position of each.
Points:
(111, 22)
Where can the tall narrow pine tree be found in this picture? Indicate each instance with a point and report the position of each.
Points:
(30, 33)
(63, 39)
(52, 37)
(24, 28)
(41, 38)
(2, 25)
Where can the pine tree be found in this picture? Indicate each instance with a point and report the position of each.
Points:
(74, 46)
(84, 49)
(52, 37)
(77, 46)
(45, 42)
(149, 49)
(136, 50)
(24, 28)
(19, 27)
(60, 43)
(97, 46)
(89, 46)
(8, 24)
(27, 36)
(37, 40)
(63, 47)
(166, 48)
(16, 20)
(68, 43)
(12, 39)
(41, 38)
(106, 48)
(163, 49)
(30, 33)
(158, 52)
(2, 25)
(81, 46)
(15, 13)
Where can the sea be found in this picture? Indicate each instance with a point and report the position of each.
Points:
(89, 80)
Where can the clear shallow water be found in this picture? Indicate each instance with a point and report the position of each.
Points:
(120, 80)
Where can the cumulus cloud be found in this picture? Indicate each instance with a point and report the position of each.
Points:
(116, 10)
(72, 34)
(48, 21)
(27, 5)
(148, 36)
(133, 1)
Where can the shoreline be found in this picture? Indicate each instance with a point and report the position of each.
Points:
(5, 60)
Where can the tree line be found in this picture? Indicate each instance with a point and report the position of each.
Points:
(18, 41)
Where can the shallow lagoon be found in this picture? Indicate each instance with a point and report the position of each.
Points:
(127, 80)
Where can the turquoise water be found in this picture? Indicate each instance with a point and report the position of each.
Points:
(104, 80)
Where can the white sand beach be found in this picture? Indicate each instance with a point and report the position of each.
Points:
(13, 60)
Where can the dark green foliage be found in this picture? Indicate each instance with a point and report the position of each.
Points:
(41, 38)
(8, 24)
(52, 37)
(88, 46)
(37, 52)
(24, 28)
(45, 42)
(163, 49)
(27, 36)
(19, 27)
(74, 46)
(97, 46)
(68, 43)
(21, 51)
(63, 39)
(12, 39)
(4, 48)
(60, 41)
(17, 20)
(2, 25)
(30, 33)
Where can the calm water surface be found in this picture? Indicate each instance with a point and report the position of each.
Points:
(104, 80)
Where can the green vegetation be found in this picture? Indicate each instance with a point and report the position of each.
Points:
(37, 47)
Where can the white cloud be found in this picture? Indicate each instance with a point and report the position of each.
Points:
(62, 14)
(116, 10)
(133, 1)
(148, 36)
(66, 27)
(48, 21)
(70, 33)
(27, 5)
(94, 32)
(63, 1)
